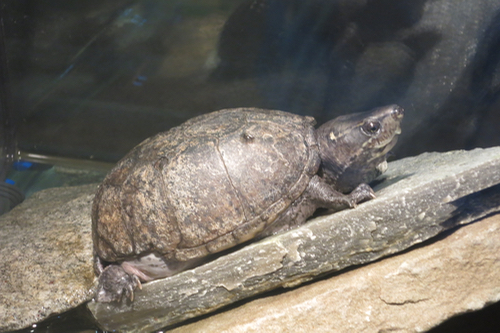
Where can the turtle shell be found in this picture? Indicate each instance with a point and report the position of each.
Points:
(211, 183)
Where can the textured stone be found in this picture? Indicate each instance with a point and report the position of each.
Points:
(418, 198)
(410, 292)
(45, 256)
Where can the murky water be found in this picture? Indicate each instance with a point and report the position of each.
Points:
(78, 320)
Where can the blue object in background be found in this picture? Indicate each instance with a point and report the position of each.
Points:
(22, 165)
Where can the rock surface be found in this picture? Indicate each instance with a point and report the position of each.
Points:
(46, 258)
(410, 292)
(421, 197)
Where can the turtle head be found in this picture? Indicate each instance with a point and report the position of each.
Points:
(353, 148)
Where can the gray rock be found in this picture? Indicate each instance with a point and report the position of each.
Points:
(46, 256)
(418, 198)
(410, 292)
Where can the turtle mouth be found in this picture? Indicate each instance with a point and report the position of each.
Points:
(383, 148)
(389, 142)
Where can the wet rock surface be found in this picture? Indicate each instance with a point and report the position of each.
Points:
(46, 265)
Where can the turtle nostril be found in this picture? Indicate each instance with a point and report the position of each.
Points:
(398, 112)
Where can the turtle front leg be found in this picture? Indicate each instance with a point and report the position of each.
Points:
(322, 195)
(318, 194)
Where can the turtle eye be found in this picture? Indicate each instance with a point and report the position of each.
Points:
(371, 127)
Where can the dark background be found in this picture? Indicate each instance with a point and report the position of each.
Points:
(92, 79)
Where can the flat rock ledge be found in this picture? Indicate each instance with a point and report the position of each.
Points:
(46, 259)
(411, 292)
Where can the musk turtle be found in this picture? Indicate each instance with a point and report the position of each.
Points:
(223, 178)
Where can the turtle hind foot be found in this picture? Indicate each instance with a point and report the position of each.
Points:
(115, 283)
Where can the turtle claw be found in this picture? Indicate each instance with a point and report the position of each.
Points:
(115, 283)
(360, 194)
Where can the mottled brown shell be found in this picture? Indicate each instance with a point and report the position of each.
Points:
(213, 182)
